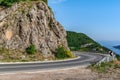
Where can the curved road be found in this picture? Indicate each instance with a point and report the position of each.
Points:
(85, 59)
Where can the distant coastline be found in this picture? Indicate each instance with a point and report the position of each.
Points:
(117, 47)
(110, 45)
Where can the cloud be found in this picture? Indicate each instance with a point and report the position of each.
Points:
(56, 1)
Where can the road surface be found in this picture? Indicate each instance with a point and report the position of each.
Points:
(85, 59)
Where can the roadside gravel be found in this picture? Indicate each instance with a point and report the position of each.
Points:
(76, 73)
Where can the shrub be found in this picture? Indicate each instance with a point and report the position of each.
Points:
(69, 54)
(8, 3)
(118, 57)
(31, 49)
(104, 67)
(62, 53)
(46, 1)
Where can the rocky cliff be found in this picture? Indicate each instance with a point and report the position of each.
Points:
(29, 23)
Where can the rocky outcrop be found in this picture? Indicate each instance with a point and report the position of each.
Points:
(29, 23)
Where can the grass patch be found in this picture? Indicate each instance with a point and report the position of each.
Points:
(7, 55)
(105, 66)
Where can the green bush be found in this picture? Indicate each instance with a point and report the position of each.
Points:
(8, 3)
(118, 57)
(31, 49)
(69, 54)
(46, 1)
(62, 53)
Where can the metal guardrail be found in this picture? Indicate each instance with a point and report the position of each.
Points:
(107, 59)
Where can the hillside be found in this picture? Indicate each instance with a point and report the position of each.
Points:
(81, 42)
(27, 27)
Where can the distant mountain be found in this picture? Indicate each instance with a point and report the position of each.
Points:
(117, 47)
(81, 42)
(110, 45)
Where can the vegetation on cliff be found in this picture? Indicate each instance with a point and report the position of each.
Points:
(31, 49)
(81, 42)
(62, 53)
(8, 3)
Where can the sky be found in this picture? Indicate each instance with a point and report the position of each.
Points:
(99, 19)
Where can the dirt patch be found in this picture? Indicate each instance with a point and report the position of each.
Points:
(78, 73)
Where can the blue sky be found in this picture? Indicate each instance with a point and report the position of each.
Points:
(99, 19)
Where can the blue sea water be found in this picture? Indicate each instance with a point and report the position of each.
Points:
(110, 44)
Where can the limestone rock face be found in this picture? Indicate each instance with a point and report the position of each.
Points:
(24, 24)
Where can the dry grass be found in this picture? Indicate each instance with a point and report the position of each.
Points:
(19, 56)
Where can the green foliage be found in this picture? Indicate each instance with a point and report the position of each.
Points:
(118, 57)
(31, 49)
(8, 3)
(77, 40)
(46, 1)
(4, 51)
(62, 53)
(104, 67)
(69, 54)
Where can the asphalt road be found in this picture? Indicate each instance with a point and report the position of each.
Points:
(85, 59)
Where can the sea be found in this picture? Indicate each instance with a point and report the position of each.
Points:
(110, 44)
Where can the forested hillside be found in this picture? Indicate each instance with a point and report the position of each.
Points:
(81, 42)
